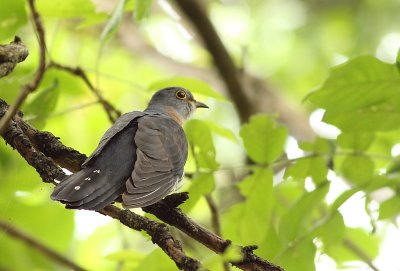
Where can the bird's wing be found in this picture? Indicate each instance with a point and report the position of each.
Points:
(161, 155)
(118, 126)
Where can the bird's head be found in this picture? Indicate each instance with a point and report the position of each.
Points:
(176, 102)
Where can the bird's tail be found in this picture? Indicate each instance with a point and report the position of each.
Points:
(89, 189)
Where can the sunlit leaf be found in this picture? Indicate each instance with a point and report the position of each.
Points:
(250, 219)
(313, 166)
(199, 137)
(263, 138)
(156, 261)
(142, 9)
(221, 131)
(361, 95)
(356, 241)
(357, 168)
(297, 218)
(389, 208)
(355, 141)
(202, 184)
(65, 9)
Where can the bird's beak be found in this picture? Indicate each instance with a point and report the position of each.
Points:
(200, 105)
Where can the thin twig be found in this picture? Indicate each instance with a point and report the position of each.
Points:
(28, 88)
(16, 233)
(110, 110)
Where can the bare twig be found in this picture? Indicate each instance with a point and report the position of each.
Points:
(16, 233)
(28, 88)
(111, 111)
(10, 55)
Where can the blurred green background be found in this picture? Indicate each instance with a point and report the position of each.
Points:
(131, 48)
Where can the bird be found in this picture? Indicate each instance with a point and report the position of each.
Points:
(140, 159)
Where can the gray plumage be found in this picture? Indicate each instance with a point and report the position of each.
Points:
(141, 157)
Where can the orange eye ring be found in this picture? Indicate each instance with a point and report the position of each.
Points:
(180, 94)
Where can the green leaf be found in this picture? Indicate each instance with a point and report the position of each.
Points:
(221, 131)
(142, 9)
(156, 261)
(358, 83)
(263, 139)
(12, 17)
(320, 145)
(125, 255)
(43, 104)
(200, 140)
(355, 141)
(332, 232)
(114, 22)
(202, 184)
(249, 221)
(300, 258)
(297, 218)
(314, 167)
(358, 169)
(389, 208)
(361, 95)
(355, 240)
(65, 9)
(194, 85)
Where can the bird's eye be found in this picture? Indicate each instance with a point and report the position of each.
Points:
(180, 94)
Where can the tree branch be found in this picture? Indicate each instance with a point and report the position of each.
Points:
(28, 88)
(10, 55)
(111, 111)
(28, 240)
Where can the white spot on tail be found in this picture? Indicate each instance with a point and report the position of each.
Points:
(56, 181)
(77, 187)
(87, 179)
(96, 171)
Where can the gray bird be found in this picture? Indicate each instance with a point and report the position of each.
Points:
(141, 157)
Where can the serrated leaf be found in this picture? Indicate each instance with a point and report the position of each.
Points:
(355, 141)
(361, 95)
(263, 139)
(357, 168)
(199, 137)
(358, 83)
(114, 22)
(389, 208)
(314, 167)
(142, 9)
(194, 85)
(249, 220)
(201, 185)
